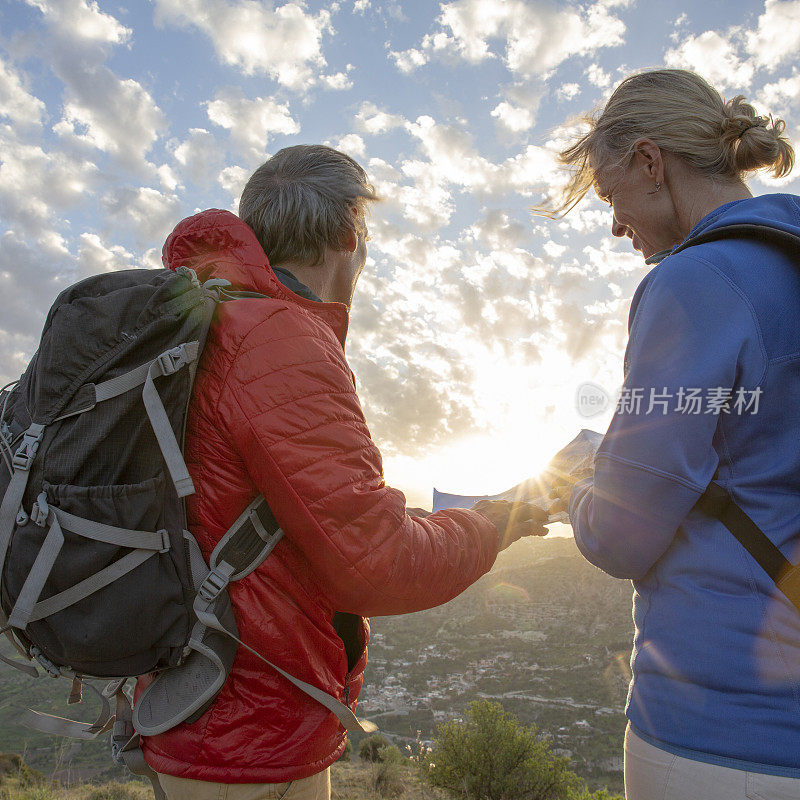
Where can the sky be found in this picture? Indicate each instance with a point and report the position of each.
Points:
(476, 325)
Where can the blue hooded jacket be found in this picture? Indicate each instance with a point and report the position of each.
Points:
(716, 654)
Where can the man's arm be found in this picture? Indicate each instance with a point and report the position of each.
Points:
(300, 430)
(693, 331)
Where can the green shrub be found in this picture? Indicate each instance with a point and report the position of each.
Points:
(491, 755)
(369, 748)
(14, 766)
(388, 777)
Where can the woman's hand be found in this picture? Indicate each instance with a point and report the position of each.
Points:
(561, 488)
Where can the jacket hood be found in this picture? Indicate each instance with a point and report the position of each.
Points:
(780, 211)
(216, 243)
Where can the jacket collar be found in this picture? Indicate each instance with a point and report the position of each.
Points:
(218, 244)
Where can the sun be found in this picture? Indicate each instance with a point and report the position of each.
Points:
(528, 417)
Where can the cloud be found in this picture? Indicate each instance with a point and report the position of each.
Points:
(568, 91)
(514, 118)
(95, 257)
(35, 184)
(730, 58)
(233, 180)
(146, 214)
(82, 21)
(536, 36)
(777, 36)
(199, 157)
(116, 116)
(715, 56)
(353, 145)
(32, 278)
(371, 119)
(100, 110)
(408, 60)
(250, 122)
(16, 103)
(256, 37)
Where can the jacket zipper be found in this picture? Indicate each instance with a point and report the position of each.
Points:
(347, 690)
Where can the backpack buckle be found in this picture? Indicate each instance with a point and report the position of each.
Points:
(213, 584)
(40, 511)
(29, 447)
(172, 360)
(53, 669)
(189, 273)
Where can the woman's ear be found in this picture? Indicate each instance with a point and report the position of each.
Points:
(647, 155)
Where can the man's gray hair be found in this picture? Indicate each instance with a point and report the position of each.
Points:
(304, 199)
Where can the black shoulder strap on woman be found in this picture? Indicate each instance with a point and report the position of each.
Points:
(718, 503)
(745, 230)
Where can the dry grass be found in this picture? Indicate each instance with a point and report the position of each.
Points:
(354, 780)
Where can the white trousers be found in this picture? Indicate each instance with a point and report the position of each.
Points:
(317, 787)
(654, 774)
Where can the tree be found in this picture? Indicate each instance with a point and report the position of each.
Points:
(492, 756)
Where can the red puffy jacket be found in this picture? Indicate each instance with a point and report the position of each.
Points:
(275, 412)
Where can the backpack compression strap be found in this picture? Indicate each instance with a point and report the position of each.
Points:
(717, 502)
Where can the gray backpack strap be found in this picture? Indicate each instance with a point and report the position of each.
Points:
(172, 697)
(29, 608)
(126, 747)
(167, 364)
(60, 726)
(10, 511)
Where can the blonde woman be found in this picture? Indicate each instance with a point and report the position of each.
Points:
(711, 393)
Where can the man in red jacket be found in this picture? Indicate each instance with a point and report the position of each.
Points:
(275, 412)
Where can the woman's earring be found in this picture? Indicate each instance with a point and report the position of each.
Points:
(657, 189)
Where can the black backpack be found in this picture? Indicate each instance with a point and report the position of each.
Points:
(99, 576)
(716, 500)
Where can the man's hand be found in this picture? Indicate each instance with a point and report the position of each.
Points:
(417, 512)
(513, 520)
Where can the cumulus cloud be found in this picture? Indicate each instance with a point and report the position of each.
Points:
(83, 21)
(250, 121)
(514, 118)
(146, 214)
(256, 37)
(36, 184)
(777, 36)
(95, 257)
(32, 278)
(567, 91)
(199, 157)
(372, 119)
(536, 36)
(715, 56)
(16, 103)
(100, 110)
(731, 57)
(352, 144)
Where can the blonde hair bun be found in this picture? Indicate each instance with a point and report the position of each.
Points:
(754, 142)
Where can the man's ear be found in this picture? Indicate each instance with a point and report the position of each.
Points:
(349, 240)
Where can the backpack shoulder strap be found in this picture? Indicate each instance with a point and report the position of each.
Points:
(717, 502)
(744, 230)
